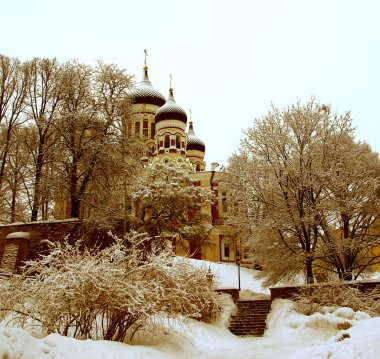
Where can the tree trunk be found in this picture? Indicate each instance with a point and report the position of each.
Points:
(5, 155)
(75, 207)
(309, 270)
(37, 184)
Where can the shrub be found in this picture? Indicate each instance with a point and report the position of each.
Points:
(106, 293)
(312, 299)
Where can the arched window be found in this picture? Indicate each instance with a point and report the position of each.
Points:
(145, 127)
(198, 167)
(167, 141)
(137, 128)
(224, 202)
(227, 249)
(178, 141)
(152, 130)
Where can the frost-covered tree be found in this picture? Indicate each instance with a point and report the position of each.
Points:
(106, 294)
(282, 182)
(43, 100)
(64, 127)
(94, 105)
(13, 88)
(17, 177)
(168, 203)
(350, 229)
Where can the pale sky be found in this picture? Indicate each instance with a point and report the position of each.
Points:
(229, 59)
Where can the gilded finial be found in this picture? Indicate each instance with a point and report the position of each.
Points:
(171, 79)
(191, 115)
(146, 55)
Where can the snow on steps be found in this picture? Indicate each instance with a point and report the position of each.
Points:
(250, 319)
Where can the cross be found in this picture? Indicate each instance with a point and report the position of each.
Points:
(170, 75)
(146, 55)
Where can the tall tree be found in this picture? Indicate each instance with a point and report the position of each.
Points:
(95, 103)
(350, 229)
(43, 100)
(280, 179)
(13, 86)
(17, 177)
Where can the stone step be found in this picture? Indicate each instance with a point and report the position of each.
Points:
(253, 308)
(236, 324)
(250, 319)
(247, 330)
(248, 314)
(249, 333)
(251, 312)
(238, 327)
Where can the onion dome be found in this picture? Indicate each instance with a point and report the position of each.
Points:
(145, 93)
(194, 142)
(171, 111)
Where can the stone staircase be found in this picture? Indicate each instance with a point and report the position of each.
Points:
(250, 319)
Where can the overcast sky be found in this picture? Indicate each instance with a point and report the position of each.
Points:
(229, 59)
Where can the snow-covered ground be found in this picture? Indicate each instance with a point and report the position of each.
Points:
(289, 335)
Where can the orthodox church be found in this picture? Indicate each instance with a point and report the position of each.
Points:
(170, 139)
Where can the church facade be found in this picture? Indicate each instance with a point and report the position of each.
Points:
(170, 139)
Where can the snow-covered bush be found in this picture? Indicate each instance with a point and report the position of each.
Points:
(313, 299)
(106, 293)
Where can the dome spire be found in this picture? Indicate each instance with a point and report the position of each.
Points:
(171, 96)
(194, 142)
(145, 74)
(191, 130)
(144, 92)
(146, 56)
(171, 111)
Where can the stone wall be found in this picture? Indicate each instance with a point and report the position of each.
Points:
(234, 292)
(23, 241)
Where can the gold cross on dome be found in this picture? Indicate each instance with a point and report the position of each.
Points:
(146, 55)
(171, 79)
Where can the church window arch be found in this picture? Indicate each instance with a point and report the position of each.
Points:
(224, 202)
(137, 128)
(227, 249)
(166, 141)
(178, 141)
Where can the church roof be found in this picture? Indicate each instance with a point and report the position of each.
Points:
(194, 142)
(171, 111)
(145, 93)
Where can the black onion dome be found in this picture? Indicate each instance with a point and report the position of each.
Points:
(171, 111)
(145, 93)
(194, 142)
